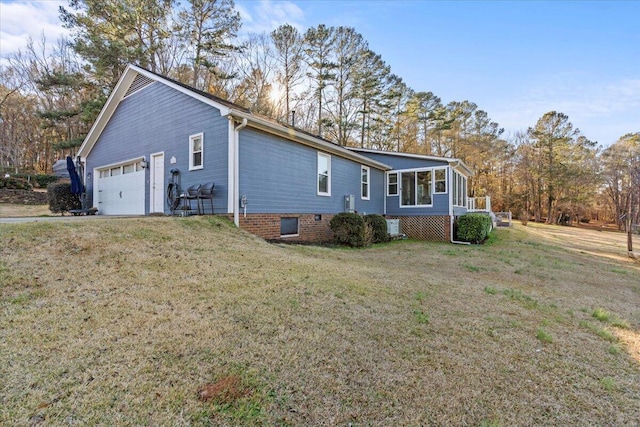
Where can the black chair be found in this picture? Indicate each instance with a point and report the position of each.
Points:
(206, 193)
(190, 194)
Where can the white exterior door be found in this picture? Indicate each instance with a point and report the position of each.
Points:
(157, 182)
(121, 190)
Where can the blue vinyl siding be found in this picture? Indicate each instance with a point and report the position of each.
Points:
(459, 210)
(161, 119)
(440, 206)
(280, 176)
(440, 201)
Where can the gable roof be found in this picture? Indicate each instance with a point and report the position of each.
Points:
(128, 85)
(453, 162)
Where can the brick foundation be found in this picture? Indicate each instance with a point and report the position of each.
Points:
(436, 228)
(310, 229)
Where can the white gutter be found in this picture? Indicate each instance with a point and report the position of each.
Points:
(236, 172)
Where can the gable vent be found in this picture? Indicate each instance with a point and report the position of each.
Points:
(140, 82)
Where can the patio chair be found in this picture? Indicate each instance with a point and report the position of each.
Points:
(190, 194)
(206, 193)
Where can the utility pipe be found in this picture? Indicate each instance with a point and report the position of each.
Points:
(457, 242)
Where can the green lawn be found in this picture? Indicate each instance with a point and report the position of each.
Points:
(189, 321)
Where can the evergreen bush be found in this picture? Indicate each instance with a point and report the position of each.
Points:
(42, 180)
(348, 229)
(379, 227)
(61, 199)
(14, 183)
(473, 227)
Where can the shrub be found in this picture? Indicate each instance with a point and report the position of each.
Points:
(474, 227)
(585, 220)
(14, 183)
(379, 227)
(39, 180)
(348, 229)
(44, 180)
(61, 199)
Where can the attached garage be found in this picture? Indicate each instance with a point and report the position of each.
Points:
(120, 189)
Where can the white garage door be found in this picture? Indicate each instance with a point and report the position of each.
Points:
(121, 190)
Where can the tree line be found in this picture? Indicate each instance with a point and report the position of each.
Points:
(325, 80)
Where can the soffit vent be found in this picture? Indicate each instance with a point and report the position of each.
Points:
(140, 82)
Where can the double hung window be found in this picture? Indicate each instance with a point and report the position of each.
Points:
(196, 151)
(365, 176)
(324, 174)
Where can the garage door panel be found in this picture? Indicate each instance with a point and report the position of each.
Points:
(122, 194)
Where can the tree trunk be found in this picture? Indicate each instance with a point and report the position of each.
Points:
(630, 228)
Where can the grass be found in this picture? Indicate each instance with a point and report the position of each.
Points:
(12, 210)
(601, 314)
(604, 316)
(421, 317)
(128, 321)
(608, 383)
(544, 336)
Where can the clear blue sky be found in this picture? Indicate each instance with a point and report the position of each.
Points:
(515, 59)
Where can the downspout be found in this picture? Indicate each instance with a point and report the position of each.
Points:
(451, 220)
(384, 193)
(236, 172)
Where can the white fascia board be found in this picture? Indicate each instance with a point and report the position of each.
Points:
(310, 141)
(117, 95)
(453, 162)
(461, 167)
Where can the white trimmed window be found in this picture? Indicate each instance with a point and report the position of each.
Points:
(440, 181)
(392, 184)
(196, 151)
(365, 176)
(417, 188)
(459, 189)
(324, 174)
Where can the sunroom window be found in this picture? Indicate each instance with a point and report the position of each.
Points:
(417, 188)
(440, 180)
(459, 189)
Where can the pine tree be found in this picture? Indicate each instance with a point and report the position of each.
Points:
(319, 44)
(288, 52)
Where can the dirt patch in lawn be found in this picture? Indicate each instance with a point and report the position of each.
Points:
(126, 322)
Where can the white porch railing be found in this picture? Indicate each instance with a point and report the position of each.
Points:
(479, 204)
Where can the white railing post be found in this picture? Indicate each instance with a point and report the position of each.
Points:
(479, 204)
